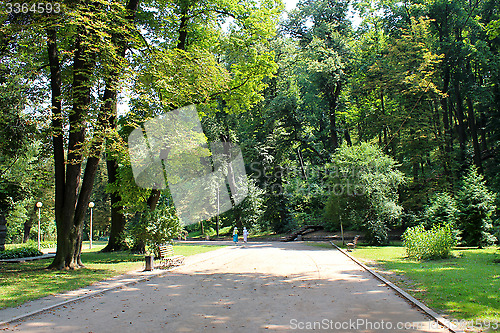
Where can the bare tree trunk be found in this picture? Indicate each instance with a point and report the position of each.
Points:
(301, 163)
(447, 138)
(116, 240)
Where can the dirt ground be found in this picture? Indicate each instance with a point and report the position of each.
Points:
(258, 287)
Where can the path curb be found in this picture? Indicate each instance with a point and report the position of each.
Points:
(438, 318)
(17, 260)
(99, 292)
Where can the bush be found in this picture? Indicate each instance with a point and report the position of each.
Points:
(476, 204)
(435, 243)
(21, 252)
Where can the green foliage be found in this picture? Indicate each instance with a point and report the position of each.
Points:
(306, 195)
(435, 243)
(27, 250)
(155, 227)
(252, 208)
(476, 206)
(376, 232)
(442, 209)
(493, 29)
(14, 93)
(364, 184)
(15, 222)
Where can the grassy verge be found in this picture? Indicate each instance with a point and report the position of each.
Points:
(464, 287)
(21, 282)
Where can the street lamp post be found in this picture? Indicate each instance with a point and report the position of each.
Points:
(91, 205)
(39, 206)
(217, 224)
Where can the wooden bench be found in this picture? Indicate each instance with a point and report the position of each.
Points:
(167, 256)
(182, 235)
(352, 246)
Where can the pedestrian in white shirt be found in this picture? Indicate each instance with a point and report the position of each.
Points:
(245, 234)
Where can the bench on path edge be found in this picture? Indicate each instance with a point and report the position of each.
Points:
(167, 257)
(351, 246)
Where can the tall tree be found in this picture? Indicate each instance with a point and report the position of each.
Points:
(90, 30)
(322, 28)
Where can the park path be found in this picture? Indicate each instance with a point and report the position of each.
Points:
(259, 287)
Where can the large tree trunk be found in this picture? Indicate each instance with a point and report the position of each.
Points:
(70, 215)
(181, 45)
(347, 136)
(384, 122)
(116, 237)
(484, 145)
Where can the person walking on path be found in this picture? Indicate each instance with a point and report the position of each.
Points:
(235, 235)
(245, 234)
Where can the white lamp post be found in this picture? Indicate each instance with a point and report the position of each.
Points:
(91, 205)
(39, 205)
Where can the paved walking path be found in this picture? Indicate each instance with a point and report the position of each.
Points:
(256, 288)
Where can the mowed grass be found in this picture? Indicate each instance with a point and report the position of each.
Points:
(22, 282)
(466, 286)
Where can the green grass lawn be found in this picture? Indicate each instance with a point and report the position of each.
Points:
(21, 282)
(466, 286)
